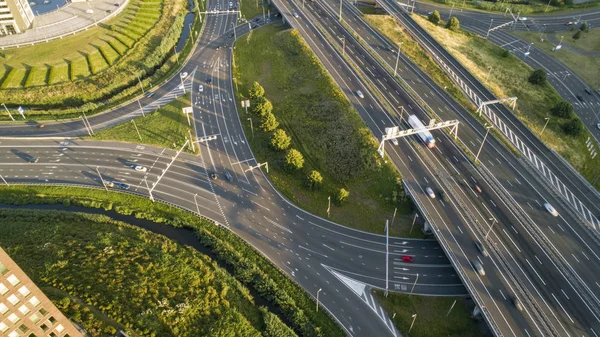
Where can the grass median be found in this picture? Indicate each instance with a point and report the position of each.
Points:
(247, 265)
(431, 320)
(326, 130)
(165, 127)
(518, 6)
(507, 76)
(587, 67)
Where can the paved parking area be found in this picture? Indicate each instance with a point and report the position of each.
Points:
(64, 21)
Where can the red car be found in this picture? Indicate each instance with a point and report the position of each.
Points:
(407, 258)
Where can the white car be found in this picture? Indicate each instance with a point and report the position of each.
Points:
(551, 209)
(89, 11)
(360, 94)
(200, 88)
(598, 126)
(478, 268)
(523, 18)
(395, 141)
(430, 192)
(296, 15)
(139, 168)
(183, 74)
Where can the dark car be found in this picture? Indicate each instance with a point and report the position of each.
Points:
(208, 80)
(108, 11)
(33, 159)
(122, 185)
(228, 176)
(213, 176)
(116, 4)
(443, 196)
(588, 91)
(579, 98)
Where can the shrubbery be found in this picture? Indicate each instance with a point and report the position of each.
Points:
(562, 109)
(453, 24)
(538, 77)
(434, 17)
(294, 159)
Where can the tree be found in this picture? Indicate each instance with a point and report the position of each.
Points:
(505, 53)
(453, 24)
(314, 179)
(538, 77)
(577, 35)
(268, 122)
(434, 17)
(280, 140)
(573, 127)
(294, 159)
(262, 106)
(584, 27)
(562, 109)
(257, 90)
(342, 196)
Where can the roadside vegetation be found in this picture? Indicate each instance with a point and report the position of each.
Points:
(150, 285)
(587, 67)
(165, 127)
(317, 146)
(431, 320)
(507, 76)
(99, 68)
(248, 266)
(252, 8)
(525, 7)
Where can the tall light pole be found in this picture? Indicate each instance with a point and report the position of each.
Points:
(318, 291)
(489, 72)
(9, 114)
(234, 33)
(483, 141)
(544, 128)
(413, 224)
(397, 59)
(451, 9)
(413, 287)
(136, 129)
(196, 202)
(149, 190)
(489, 29)
(251, 127)
(328, 205)
(387, 256)
(343, 45)
(548, 5)
(181, 78)
(490, 229)
(413, 322)
(340, 10)
(101, 179)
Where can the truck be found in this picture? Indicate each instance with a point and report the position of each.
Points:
(425, 135)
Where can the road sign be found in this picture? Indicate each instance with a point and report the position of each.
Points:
(21, 111)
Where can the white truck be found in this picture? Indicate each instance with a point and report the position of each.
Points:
(425, 135)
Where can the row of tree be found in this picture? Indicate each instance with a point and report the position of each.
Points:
(281, 141)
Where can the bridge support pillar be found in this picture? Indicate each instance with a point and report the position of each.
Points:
(427, 227)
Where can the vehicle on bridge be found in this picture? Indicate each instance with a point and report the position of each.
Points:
(425, 135)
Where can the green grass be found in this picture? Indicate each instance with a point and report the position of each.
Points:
(324, 127)
(141, 44)
(431, 320)
(145, 275)
(249, 266)
(166, 127)
(586, 67)
(252, 8)
(508, 78)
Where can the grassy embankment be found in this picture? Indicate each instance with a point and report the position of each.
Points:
(149, 285)
(324, 128)
(245, 264)
(165, 127)
(99, 68)
(252, 8)
(516, 6)
(431, 320)
(508, 78)
(586, 67)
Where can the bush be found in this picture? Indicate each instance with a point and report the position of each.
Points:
(269, 122)
(573, 127)
(262, 106)
(314, 179)
(434, 17)
(505, 53)
(256, 91)
(584, 27)
(294, 159)
(562, 109)
(453, 24)
(342, 196)
(280, 140)
(538, 77)
(577, 35)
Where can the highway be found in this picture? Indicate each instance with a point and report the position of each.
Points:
(318, 254)
(564, 80)
(555, 317)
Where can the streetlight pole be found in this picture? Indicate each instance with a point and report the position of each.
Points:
(101, 179)
(393, 217)
(4, 180)
(489, 29)
(328, 205)
(488, 74)
(548, 5)
(142, 110)
(413, 322)
(413, 287)
(490, 229)
(387, 257)
(251, 127)
(318, 291)
(234, 32)
(340, 10)
(544, 128)
(182, 86)
(196, 202)
(149, 190)
(483, 142)
(397, 59)
(9, 114)
(343, 45)
(136, 129)
(448, 313)
(451, 9)
(413, 224)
